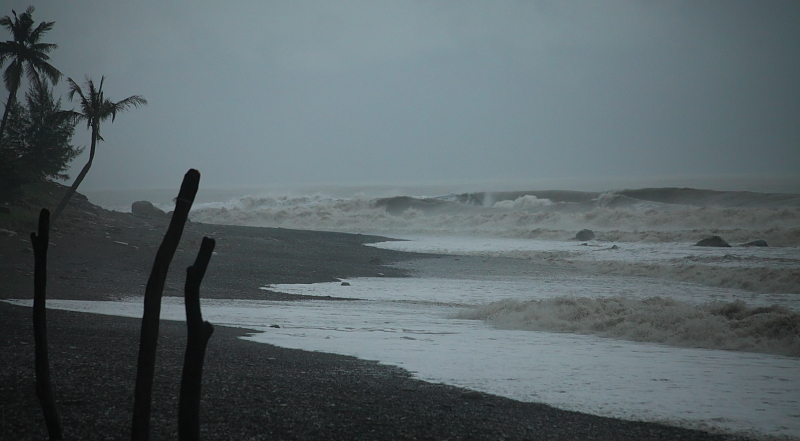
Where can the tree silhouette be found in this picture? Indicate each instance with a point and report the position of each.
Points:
(24, 53)
(36, 144)
(95, 108)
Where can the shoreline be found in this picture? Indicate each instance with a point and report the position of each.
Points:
(260, 391)
(250, 390)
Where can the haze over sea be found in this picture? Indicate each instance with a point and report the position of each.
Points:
(636, 323)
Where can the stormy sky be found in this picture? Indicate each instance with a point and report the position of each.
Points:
(259, 93)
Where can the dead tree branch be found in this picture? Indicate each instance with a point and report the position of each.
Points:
(199, 334)
(44, 390)
(152, 307)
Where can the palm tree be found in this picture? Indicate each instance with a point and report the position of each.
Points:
(24, 53)
(95, 108)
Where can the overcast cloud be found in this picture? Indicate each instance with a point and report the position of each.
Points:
(260, 93)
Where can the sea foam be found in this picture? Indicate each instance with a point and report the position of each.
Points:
(714, 325)
(613, 216)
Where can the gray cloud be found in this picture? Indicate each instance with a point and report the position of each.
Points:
(263, 93)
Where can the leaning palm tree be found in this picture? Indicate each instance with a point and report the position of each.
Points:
(95, 108)
(24, 53)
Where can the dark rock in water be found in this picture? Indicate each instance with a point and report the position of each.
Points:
(585, 235)
(376, 261)
(146, 209)
(756, 243)
(345, 284)
(614, 247)
(713, 241)
(275, 326)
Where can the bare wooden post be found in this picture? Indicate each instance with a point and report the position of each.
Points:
(44, 389)
(152, 307)
(199, 333)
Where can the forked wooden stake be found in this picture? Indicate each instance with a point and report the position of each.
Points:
(199, 334)
(44, 390)
(152, 307)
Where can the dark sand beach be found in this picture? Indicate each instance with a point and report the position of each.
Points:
(251, 391)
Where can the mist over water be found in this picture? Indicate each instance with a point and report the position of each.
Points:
(654, 215)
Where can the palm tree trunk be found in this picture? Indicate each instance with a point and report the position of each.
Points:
(78, 180)
(10, 102)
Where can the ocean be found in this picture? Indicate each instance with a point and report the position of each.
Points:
(635, 322)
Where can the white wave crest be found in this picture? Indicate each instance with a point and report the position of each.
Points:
(715, 325)
(524, 217)
(526, 202)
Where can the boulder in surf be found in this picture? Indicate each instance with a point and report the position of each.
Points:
(756, 243)
(713, 241)
(585, 235)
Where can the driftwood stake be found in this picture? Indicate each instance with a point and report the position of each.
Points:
(199, 333)
(152, 307)
(44, 389)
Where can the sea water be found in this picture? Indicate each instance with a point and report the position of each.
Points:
(638, 323)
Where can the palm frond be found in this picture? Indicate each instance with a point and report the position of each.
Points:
(40, 30)
(12, 75)
(90, 85)
(43, 48)
(71, 116)
(95, 108)
(132, 101)
(7, 23)
(22, 25)
(6, 52)
(38, 66)
(73, 89)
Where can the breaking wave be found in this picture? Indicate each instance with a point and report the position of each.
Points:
(778, 273)
(654, 215)
(715, 325)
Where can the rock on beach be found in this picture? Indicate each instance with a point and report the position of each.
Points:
(147, 209)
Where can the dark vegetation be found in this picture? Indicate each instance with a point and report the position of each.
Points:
(25, 53)
(95, 108)
(35, 136)
(36, 145)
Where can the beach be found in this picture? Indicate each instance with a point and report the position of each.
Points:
(250, 390)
